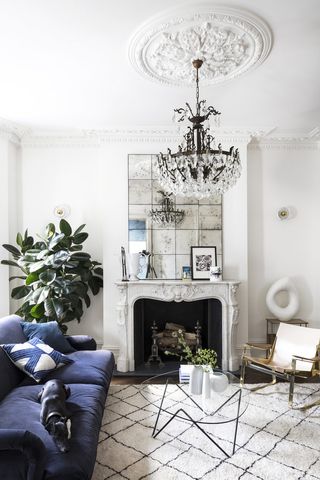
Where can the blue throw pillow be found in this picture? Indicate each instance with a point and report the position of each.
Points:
(49, 333)
(35, 358)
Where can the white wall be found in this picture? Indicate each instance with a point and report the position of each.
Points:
(284, 175)
(258, 248)
(93, 181)
(9, 198)
(61, 175)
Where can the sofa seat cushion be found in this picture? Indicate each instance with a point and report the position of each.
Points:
(21, 410)
(94, 367)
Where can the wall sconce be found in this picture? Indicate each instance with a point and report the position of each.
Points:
(62, 211)
(286, 213)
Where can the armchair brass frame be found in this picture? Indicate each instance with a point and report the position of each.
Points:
(295, 353)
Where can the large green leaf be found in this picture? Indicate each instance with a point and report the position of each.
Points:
(20, 292)
(80, 256)
(87, 301)
(79, 229)
(65, 227)
(76, 248)
(37, 266)
(9, 262)
(31, 278)
(98, 271)
(42, 254)
(55, 240)
(57, 259)
(19, 239)
(44, 294)
(13, 250)
(37, 311)
(17, 276)
(54, 307)
(80, 238)
(94, 284)
(47, 277)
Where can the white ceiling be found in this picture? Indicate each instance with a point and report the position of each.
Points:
(64, 64)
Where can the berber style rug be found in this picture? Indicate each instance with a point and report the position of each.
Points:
(273, 441)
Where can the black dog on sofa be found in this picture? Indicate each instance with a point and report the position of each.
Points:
(54, 415)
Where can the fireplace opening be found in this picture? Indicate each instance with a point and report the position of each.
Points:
(206, 314)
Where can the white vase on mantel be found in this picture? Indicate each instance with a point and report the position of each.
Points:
(196, 378)
(133, 265)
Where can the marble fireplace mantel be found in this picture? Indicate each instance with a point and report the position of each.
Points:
(178, 291)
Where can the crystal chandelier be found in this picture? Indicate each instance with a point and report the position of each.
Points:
(167, 213)
(199, 169)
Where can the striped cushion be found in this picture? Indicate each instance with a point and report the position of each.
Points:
(35, 358)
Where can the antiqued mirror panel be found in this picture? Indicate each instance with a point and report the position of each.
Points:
(168, 242)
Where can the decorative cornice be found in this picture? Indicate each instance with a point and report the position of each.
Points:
(13, 131)
(255, 138)
(230, 41)
(99, 137)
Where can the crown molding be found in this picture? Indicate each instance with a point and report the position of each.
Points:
(255, 138)
(12, 131)
(285, 140)
(98, 137)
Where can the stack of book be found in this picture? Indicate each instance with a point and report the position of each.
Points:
(184, 373)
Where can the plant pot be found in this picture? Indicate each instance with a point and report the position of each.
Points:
(195, 384)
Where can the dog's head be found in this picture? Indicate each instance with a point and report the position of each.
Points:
(52, 387)
(60, 432)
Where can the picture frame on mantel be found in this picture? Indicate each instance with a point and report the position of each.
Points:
(202, 258)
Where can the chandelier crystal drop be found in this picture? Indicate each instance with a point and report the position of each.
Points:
(166, 214)
(199, 169)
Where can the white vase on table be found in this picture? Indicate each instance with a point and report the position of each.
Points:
(206, 385)
(195, 383)
(219, 382)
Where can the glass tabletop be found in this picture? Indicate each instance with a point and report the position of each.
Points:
(173, 398)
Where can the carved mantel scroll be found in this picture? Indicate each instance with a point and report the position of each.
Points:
(178, 291)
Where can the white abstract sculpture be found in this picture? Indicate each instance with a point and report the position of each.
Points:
(283, 285)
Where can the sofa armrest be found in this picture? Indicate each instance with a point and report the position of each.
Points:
(30, 445)
(82, 342)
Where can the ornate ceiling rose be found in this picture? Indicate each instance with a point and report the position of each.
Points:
(229, 41)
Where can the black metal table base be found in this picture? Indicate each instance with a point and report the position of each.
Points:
(197, 423)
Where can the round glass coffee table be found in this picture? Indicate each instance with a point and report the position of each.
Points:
(174, 402)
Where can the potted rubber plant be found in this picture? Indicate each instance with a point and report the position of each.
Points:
(57, 276)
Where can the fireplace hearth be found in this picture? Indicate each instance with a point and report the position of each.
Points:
(206, 313)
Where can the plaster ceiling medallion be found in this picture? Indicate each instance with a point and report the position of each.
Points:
(229, 41)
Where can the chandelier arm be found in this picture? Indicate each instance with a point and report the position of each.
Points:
(190, 110)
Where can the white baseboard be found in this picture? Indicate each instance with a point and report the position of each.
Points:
(113, 349)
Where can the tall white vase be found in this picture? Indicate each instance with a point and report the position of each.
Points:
(195, 384)
(133, 265)
(206, 386)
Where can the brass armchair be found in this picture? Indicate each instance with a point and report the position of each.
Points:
(294, 353)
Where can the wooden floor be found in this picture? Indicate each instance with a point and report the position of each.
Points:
(251, 377)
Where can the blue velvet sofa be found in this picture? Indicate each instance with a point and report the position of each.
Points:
(27, 451)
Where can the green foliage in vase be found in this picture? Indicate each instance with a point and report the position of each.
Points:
(57, 274)
(202, 356)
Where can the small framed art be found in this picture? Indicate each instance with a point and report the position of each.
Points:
(202, 259)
